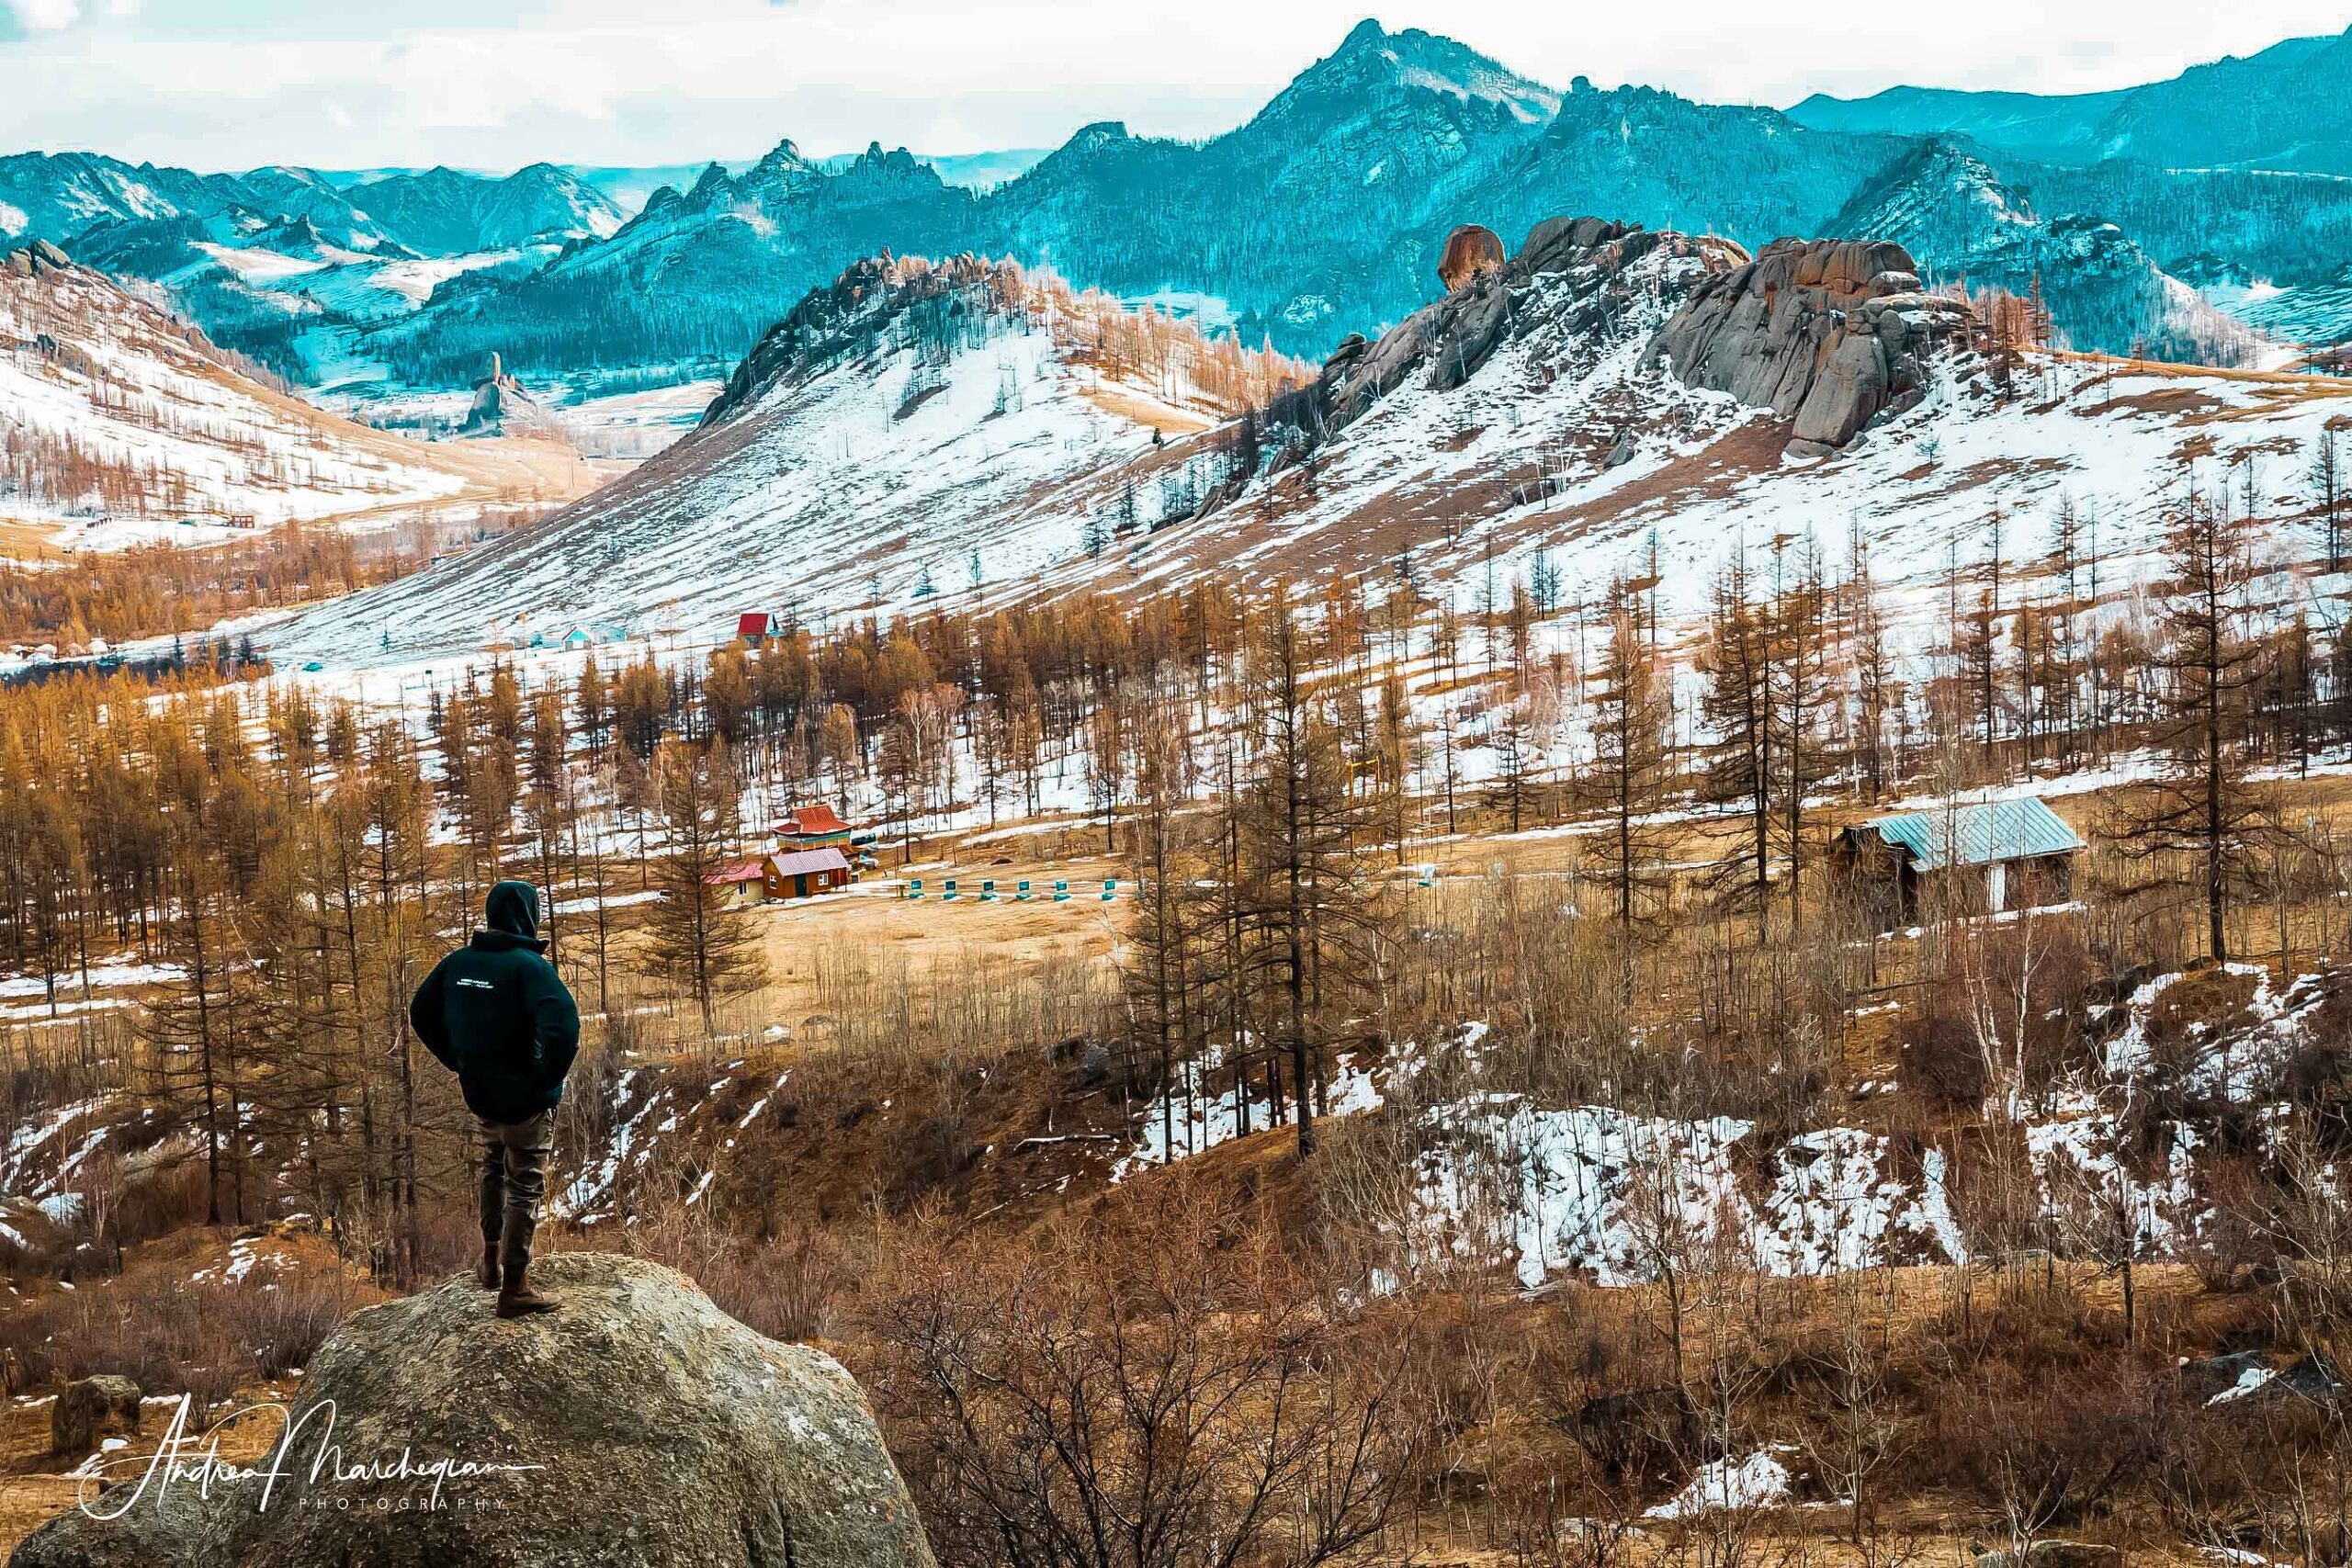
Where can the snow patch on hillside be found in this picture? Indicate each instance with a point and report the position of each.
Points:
(81, 361)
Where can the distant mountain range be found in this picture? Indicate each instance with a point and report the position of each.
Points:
(2173, 218)
(2283, 109)
(631, 186)
(63, 197)
(917, 434)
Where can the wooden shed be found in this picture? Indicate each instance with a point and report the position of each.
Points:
(804, 873)
(1990, 857)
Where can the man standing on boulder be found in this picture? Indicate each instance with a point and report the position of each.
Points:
(496, 1014)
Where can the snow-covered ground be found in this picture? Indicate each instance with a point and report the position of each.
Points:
(194, 449)
(1602, 1193)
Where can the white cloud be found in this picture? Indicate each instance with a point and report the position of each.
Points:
(46, 16)
(485, 84)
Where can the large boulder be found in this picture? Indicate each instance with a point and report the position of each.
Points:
(37, 258)
(1471, 251)
(636, 1424)
(172, 1530)
(93, 1408)
(1831, 335)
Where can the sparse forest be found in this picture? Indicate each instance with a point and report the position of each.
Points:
(1318, 1284)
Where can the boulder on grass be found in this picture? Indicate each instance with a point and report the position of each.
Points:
(93, 1408)
(637, 1424)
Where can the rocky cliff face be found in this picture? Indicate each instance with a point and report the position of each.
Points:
(1830, 334)
(37, 258)
(637, 1425)
(848, 317)
(502, 407)
(1579, 282)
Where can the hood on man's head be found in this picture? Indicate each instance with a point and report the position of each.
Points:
(512, 907)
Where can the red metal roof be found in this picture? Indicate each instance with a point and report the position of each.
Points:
(753, 623)
(810, 821)
(808, 862)
(728, 876)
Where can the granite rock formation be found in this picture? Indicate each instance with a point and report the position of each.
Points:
(1830, 334)
(637, 1423)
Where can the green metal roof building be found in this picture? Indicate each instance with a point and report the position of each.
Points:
(1989, 857)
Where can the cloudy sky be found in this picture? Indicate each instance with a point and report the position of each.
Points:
(337, 83)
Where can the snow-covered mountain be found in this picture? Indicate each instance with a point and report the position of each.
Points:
(56, 196)
(1939, 201)
(1319, 215)
(1290, 223)
(281, 263)
(630, 186)
(695, 277)
(121, 424)
(901, 428)
(1564, 411)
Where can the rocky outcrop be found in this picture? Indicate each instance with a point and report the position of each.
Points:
(1830, 334)
(36, 258)
(172, 1531)
(1592, 277)
(500, 407)
(845, 319)
(636, 1424)
(1471, 252)
(93, 1408)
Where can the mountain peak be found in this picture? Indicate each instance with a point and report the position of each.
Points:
(1101, 133)
(896, 165)
(785, 155)
(1373, 60)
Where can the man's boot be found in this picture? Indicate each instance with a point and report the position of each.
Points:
(515, 1297)
(488, 1272)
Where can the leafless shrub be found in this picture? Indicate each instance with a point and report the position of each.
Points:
(1160, 1387)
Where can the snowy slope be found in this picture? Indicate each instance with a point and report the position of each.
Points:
(1563, 445)
(120, 424)
(879, 472)
(1595, 1190)
(1460, 477)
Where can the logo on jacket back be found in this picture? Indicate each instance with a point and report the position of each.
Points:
(476, 985)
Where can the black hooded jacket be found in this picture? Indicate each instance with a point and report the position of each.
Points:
(496, 1014)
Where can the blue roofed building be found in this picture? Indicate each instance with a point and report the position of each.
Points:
(1964, 860)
